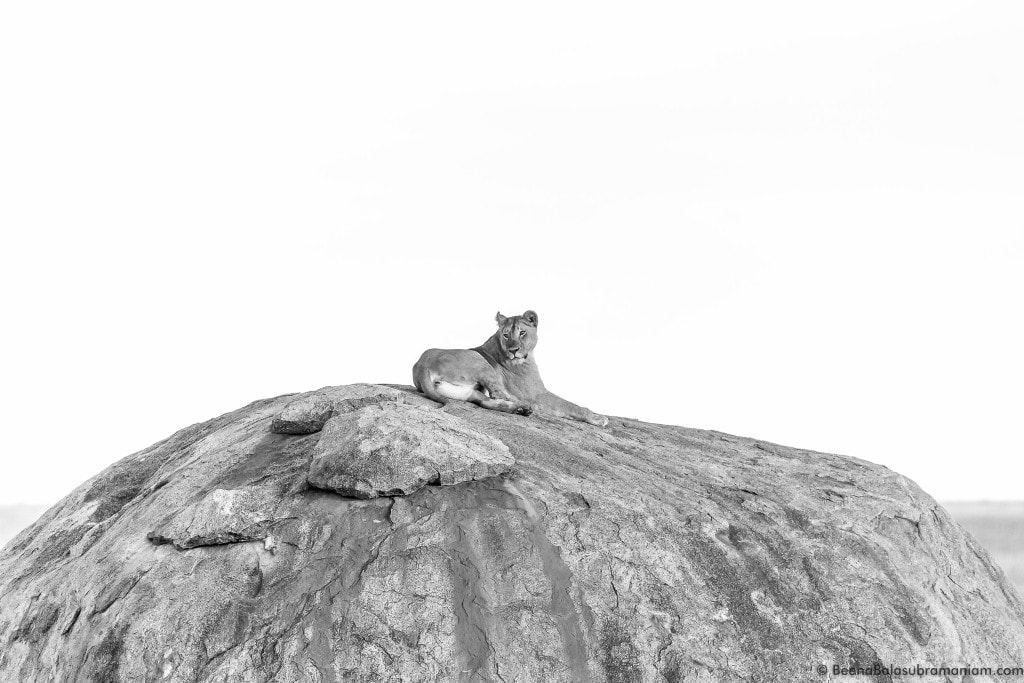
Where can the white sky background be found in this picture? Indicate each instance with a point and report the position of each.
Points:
(801, 222)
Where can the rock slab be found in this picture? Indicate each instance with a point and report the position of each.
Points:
(395, 449)
(239, 550)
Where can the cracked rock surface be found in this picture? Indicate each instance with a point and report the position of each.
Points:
(364, 533)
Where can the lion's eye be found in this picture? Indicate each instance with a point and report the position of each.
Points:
(522, 333)
(505, 335)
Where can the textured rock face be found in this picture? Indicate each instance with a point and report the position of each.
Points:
(519, 549)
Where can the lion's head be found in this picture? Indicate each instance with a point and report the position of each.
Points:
(517, 335)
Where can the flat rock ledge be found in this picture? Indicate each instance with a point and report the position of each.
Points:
(395, 449)
(365, 533)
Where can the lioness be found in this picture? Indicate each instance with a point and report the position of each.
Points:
(500, 374)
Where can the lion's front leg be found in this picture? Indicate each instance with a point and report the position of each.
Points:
(556, 405)
(497, 392)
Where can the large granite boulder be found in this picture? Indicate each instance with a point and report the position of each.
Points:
(374, 536)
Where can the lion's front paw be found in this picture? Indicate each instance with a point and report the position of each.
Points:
(524, 409)
(598, 420)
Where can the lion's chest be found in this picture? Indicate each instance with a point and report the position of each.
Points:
(523, 381)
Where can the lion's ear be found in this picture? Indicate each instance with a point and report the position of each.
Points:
(500, 319)
(530, 317)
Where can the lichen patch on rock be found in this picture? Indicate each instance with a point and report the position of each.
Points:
(396, 449)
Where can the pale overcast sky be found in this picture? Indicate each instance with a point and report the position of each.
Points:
(801, 222)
